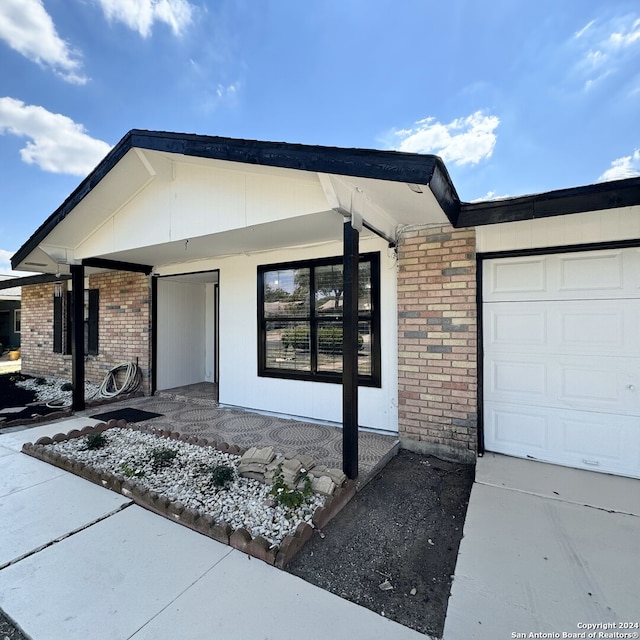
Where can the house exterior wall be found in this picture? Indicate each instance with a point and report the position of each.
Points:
(124, 328)
(239, 382)
(437, 341)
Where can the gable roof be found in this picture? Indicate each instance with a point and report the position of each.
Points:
(392, 166)
(415, 170)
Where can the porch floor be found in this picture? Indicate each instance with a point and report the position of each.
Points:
(193, 410)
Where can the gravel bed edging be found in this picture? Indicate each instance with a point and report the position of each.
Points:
(240, 538)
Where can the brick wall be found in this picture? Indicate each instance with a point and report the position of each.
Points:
(124, 328)
(437, 341)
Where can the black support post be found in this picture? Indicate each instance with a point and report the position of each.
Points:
(350, 352)
(77, 337)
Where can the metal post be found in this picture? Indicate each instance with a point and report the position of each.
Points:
(350, 352)
(77, 336)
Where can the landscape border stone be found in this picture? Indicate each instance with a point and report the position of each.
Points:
(203, 523)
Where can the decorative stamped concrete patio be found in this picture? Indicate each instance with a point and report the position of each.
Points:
(193, 410)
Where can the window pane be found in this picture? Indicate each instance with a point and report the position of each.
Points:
(288, 346)
(328, 293)
(286, 293)
(330, 346)
(364, 287)
(364, 348)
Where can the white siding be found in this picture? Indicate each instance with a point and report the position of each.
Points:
(579, 228)
(196, 201)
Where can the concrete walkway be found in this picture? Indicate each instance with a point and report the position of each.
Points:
(78, 561)
(545, 550)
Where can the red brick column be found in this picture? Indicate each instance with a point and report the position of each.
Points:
(437, 342)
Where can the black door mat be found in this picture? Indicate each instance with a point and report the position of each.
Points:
(128, 413)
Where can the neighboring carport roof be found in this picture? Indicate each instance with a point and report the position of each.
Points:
(595, 197)
(27, 280)
(410, 168)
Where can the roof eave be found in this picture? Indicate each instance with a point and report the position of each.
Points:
(393, 166)
(596, 197)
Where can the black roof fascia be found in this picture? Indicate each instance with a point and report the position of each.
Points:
(595, 197)
(27, 280)
(393, 166)
(117, 265)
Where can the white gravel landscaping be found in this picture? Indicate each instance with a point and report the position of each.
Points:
(244, 503)
(49, 390)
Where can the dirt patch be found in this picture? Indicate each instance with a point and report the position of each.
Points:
(401, 531)
(10, 394)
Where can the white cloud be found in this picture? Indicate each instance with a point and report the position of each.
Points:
(28, 29)
(462, 141)
(606, 47)
(56, 143)
(140, 15)
(491, 196)
(5, 266)
(625, 167)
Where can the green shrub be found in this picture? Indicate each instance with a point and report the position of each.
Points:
(220, 475)
(162, 457)
(284, 495)
(95, 441)
(131, 472)
(329, 339)
(296, 338)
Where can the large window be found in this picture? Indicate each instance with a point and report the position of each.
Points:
(300, 320)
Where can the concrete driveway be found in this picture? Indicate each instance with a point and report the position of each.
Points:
(547, 550)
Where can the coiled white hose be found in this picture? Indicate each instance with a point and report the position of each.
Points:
(109, 387)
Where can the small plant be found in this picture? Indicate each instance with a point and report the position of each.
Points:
(220, 475)
(130, 472)
(284, 495)
(162, 457)
(67, 386)
(95, 441)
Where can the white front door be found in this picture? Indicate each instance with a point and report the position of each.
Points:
(561, 339)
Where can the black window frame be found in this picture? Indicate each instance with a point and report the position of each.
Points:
(62, 322)
(372, 380)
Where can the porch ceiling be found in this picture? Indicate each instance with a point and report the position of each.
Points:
(309, 185)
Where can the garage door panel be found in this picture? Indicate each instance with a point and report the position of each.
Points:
(573, 276)
(510, 326)
(519, 277)
(602, 271)
(582, 328)
(585, 327)
(518, 380)
(593, 383)
(519, 431)
(598, 384)
(561, 358)
(596, 441)
(592, 442)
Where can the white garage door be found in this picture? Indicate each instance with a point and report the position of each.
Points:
(562, 359)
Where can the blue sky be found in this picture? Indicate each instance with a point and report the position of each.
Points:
(516, 96)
